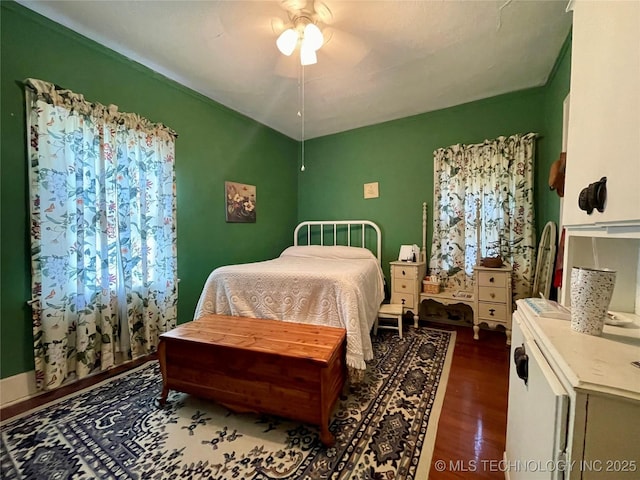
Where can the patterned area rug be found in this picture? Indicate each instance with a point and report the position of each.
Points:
(385, 427)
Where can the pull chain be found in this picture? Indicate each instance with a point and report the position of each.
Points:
(301, 113)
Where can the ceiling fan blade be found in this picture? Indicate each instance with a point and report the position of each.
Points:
(240, 19)
(343, 48)
(322, 12)
(293, 5)
(288, 67)
(278, 25)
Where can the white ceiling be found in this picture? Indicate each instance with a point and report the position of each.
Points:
(384, 59)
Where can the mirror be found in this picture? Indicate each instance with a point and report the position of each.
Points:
(546, 259)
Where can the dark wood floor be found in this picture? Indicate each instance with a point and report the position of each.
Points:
(471, 432)
(472, 428)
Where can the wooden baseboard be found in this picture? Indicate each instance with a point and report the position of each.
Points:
(26, 397)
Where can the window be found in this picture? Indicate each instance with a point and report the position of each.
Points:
(483, 206)
(103, 230)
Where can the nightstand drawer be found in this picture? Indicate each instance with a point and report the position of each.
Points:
(401, 272)
(408, 298)
(403, 285)
(491, 279)
(493, 311)
(492, 294)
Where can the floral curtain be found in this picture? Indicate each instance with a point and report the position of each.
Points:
(103, 233)
(483, 198)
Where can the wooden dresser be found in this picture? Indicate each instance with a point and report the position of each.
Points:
(493, 297)
(289, 369)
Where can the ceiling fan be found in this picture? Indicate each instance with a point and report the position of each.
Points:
(264, 21)
(311, 28)
(302, 29)
(310, 39)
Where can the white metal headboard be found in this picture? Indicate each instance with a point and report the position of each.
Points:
(362, 225)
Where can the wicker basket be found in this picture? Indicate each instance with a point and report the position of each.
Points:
(491, 262)
(430, 287)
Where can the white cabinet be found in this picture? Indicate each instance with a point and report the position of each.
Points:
(604, 141)
(406, 285)
(493, 294)
(578, 415)
(580, 410)
(604, 119)
(538, 409)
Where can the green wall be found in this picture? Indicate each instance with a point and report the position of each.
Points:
(215, 144)
(399, 155)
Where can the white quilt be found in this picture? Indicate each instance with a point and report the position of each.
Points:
(326, 285)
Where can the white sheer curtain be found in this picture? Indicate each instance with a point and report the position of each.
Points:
(103, 233)
(494, 180)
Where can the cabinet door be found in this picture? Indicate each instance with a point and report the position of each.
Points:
(604, 119)
(537, 414)
(610, 446)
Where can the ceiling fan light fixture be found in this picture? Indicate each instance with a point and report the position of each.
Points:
(287, 41)
(313, 37)
(307, 55)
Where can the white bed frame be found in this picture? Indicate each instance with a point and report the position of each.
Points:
(363, 226)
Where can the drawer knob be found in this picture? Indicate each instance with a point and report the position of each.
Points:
(492, 295)
(404, 286)
(403, 272)
(491, 280)
(492, 311)
(403, 300)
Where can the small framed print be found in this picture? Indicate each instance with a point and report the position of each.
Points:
(240, 201)
(371, 190)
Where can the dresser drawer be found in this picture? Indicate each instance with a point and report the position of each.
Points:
(408, 298)
(493, 311)
(402, 272)
(492, 279)
(403, 285)
(492, 294)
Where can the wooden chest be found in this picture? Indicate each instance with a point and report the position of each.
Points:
(287, 369)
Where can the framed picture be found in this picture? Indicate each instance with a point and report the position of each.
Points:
(240, 202)
(371, 190)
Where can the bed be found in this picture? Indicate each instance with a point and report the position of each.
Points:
(330, 276)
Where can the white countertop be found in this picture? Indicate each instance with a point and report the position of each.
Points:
(590, 363)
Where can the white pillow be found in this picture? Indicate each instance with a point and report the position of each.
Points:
(328, 251)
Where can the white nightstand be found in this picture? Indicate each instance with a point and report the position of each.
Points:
(493, 297)
(406, 285)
